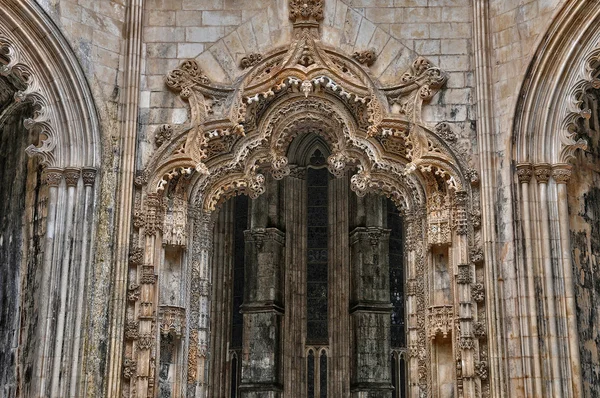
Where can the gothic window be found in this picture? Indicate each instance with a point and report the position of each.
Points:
(317, 241)
(316, 372)
(396, 256)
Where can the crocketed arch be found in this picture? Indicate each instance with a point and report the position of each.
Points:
(64, 115)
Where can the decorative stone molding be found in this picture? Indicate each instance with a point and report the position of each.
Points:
(481, 369)
(479, 330)
(366, 57)
(145, 341)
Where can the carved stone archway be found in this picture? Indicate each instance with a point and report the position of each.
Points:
(238, 133)
(34, 53)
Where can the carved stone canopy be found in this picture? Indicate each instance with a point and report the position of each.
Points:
(237, 133)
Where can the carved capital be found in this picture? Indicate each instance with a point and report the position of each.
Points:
(543, 171)
(524, 172)
(72, 176)
(88, 174)
(53, 176)
(561, 173)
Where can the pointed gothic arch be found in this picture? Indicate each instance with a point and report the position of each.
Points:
(552, 126)
(66, 146)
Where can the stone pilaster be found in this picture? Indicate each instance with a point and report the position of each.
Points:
(370, 309)
(262, 311)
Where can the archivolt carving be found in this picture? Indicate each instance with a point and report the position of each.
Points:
(580, 108)
(41, 122)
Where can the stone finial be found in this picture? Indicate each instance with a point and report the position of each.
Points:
(306, 10)
(524, 172)
(542, 172)
(561, 173)
(53, 176)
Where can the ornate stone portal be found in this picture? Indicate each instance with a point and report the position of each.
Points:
(238, 134)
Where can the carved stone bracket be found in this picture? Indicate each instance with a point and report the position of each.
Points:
(172, 321)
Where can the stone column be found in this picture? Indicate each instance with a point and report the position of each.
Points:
(199, 306)
(263, 300)
(525, 172)
(542, 175)
(53, 178)
(370, 305)
(561, 174)
(294, 363)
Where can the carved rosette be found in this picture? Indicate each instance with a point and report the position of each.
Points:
(478, 292)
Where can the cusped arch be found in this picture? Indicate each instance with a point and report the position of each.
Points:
(64, 114)
(549, 101)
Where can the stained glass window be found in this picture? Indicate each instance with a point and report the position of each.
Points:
(241, 224)
(310, 374)
(323, 374)
(396, 257)
(316, 267)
